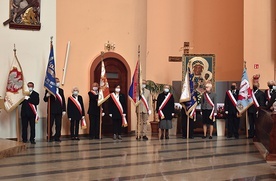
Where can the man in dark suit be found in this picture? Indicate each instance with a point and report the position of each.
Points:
(29, 113)
(94, 112)
(269, 91)
(75, 112)
(231, 111)
(253, 111)
(57, 110)
(117, 111)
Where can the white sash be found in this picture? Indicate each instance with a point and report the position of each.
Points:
(77, 103)
(232, 98)
(255, 101)
(120, 108)
(145, 102)
(268, 94)
(212, 104)
(165, 101)
(59, 98)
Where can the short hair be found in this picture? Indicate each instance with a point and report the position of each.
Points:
(75, 88)
(116, 85)
(208, 84)
(30, 83)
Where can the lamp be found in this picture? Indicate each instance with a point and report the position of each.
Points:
(109, 46)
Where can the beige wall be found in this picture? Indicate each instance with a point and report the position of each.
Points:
(260, 38)
(90, 24)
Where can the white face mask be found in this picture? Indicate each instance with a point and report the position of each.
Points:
(166, 90)
(144, 85)
(274, 87)
(30, 89)
(95, 88)
(57, 84)
(75, 93)
(117, 89)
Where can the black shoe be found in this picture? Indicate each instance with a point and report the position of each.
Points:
(57, 140)
(203, 137)
(145, 138)
(229, 136)
(210, 137)
(24, 141)
(33, 142)
(161, 137)
(184, 137)
(138, 138)
(72, 138)
(236, 137)
(96, 137)
(191, 137)
(120, 138)
(166, 137)
(77, 138)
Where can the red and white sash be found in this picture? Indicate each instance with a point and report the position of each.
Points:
(120, 108)
(165, 101)
(94, 92)
(212, 104)
(268, 94)
(255, 101)
(77, 103)
(145, 102)
(232, 98)
(34, 111)
(59, 98)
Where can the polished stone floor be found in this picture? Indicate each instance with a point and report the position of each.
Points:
(173, 159)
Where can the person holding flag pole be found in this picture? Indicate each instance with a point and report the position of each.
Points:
(54, 96)
(103, 93)
(188, 100)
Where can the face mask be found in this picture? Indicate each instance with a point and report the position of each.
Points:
(143, 85)
(233, 87)
(95, 88)
(75, 93)
(274, 87)
(270, 87)
(57, 84)
(255, 88)
(117, 90)
(30, 89)
(166, 90)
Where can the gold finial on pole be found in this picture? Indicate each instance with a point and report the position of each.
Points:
(244, 64)
(14, 49)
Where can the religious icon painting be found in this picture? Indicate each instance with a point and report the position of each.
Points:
(24, 14)
(202, 69)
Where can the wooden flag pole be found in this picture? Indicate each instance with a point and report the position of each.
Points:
(101, 120)
(17, 124)
(48, 120)
(139, 94)
(188, 126)
(138, 121)
(246, 123)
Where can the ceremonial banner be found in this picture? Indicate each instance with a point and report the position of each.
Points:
(14, 90)
(188, 96)
(50, 77)
(245, 99)
(136, 85)
(104, 87)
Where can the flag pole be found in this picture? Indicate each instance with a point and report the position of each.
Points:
(49, 106)
(188, 126)
(246, 113)
(17, 110)
(139, 93)
(101, 111)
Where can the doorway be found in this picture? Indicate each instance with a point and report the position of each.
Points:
(117, 74)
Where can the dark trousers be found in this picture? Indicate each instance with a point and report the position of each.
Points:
(74, 128)
(184, 127)
(55, 118)
(252, 118)
(233, 125)
(25, 120)
(117, 126)
(94, 130)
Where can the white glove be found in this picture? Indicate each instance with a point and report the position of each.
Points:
(124, 115)
(110, 115)
(200, 112)
(149, 112)
(82, 117)
(226, 112)
(63, 113)
(103, 114)
(172, 114)
(69, 119)
(48, 94)
(215, 114)
(27, 97)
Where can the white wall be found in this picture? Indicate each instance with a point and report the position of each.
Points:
(32, 52)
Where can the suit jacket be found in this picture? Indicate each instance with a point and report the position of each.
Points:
(169, 107)
(260, 96)
(272, 100)
(113, 108)
(55, 106)
(228, 105)
(205, 104)
(268, 91)
(93, 108)
(142, 107)
(73, 111)
(26, 109)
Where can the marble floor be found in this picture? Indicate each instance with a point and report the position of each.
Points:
(172, 159)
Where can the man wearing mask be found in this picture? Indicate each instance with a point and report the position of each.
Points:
(117, 112)
(253, 110)
(209, 109)
(57, 110)
(233, 121)
(29, 113)
(144, 111)
(269, 91)
(75, 112)
(94, 112)
(165, 110)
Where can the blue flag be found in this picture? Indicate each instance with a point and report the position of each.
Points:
(188, 96)
(245, 98)
(50, 77)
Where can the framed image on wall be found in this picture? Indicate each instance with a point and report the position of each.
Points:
(202, 66)
(24, 14)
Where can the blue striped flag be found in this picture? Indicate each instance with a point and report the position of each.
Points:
(50, 77)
